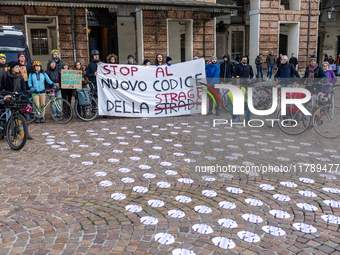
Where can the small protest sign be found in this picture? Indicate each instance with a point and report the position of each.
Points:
(23, 71)
(71, 79)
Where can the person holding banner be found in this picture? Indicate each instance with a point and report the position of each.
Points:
(168, 61)
(3, 66)
(112, 59)
(131, 60)
(66, 93)
(79, 67)
(146, 62)
(91, 70)
(159, 60)
(213, 74)
(22, 62)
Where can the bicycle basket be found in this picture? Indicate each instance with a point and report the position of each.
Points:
(16, 104)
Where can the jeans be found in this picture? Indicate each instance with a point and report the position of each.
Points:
(211, 101)
(54, 108)
(259, 70)
(270, 71)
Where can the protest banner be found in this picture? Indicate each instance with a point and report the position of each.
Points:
(71, 79)
(332, 67)
(23, 71)
(137, 91)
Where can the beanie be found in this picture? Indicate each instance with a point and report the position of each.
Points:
(64, 64)
(168, 59)
(213, 56)
(55, 51)
(13, 64)
(20, 53)
(312, 58)
(195, 57)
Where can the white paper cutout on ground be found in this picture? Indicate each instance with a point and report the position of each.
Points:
(75, 141)
(234, 190)
(103, 121)
(306, 180)
(105, 183)
(164, 238)
(331, 190)
(166, 164)
(267, 187)
(289, 184)
(148, 141)
(178, 145)
(123, 143)
(106, 144)
(99, 174)
(124, 170)
(156, 203)
(170, 172)
(94, 154)
(209, 178)
(274, 230)
(183, 199)
(248, 236)
(307, 207)
(323, 159)
(186, 180)
(227, 205)
(280, 214)
(118, 196)
(148, 220)
(144, 167)
(73, 135)
(149, 176)
(281, 197)
(227, 176)
(332, 203)
(113, 160)
(329, 150)
(140, 189)
(83, 146)
(157, 148)
(331, 219)
(328, 176)
(228, 223)
(223, 243)
(154, 156)
(128, 180)
(252, 218)
(50, 140)
(163, 185)
(45, 133)
(305, 228)
(210, 158)
(63, 149)
(178, 154)
(137, 149)
(176, 214)
(136, 136)
(209, 193)
(50, 143)
(93, 133)
(202, 229)
(87, 163)
(253, 202)
(70, 132)
(133, 208)
(135, 158)
(55, 146)
(202, 209)
(307, 193)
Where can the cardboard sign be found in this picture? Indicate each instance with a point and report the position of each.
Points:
(332, 67)
(71, 79)
(23, 71)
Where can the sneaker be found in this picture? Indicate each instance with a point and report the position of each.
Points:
(42, 120)
(270, 79)
(218, 113)
(209, 113)
(29, 137)
(267, 79)
(58, 118)
(37, 120)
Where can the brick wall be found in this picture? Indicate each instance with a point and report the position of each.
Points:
(269, 27)
(151, 33)
(64, 23)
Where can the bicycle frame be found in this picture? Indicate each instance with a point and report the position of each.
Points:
(51, 98)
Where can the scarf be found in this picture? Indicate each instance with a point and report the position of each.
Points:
(16, 81)
(25, 64)
(311, 72)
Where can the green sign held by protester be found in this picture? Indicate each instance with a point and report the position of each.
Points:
(71, 79)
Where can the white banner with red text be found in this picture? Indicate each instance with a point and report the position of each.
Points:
(138, 91)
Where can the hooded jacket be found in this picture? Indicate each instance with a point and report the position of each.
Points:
(7, 84)
(91, 69)
(226, 68)
(293, 61)
(287, 71)
(54, 76)
(37, 80)
(58, 63)
(258, 62)
(212, 73)
(270, 60)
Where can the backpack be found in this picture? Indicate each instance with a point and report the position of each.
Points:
(82, 95)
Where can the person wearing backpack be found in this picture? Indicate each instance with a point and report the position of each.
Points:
(13, 81)
(36, 83)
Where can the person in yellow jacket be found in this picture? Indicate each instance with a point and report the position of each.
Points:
(230, 101)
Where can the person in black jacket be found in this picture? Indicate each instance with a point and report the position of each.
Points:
(13, 81)
(55, 57)
(243, 70)
(226, 68)
(293, 60)
(286, 71)
(278, 61)
(54, 75)
(91, 70)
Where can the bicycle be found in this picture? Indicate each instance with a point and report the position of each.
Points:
(61, 109)
(13, 124)
(88, 112)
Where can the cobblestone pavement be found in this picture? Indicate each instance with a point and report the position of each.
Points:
(129, 186)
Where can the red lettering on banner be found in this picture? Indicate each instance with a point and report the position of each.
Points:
(158, 97)
(168, 74)
(104, 67)
(159, 69)
(182, 94)
(173, 97)
(125, 74)
(133, 69)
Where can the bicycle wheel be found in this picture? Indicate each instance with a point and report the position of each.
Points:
(86, 113)
(224, 101)
(326, 121)
(294, 123)
(63, 111)
(16, 132)
(260, 98)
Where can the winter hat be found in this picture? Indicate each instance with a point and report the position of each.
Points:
(326, 62)
(13, 64)
(64, 64)
(213, 56)
(146, 61)
(312, 58)
(55, 51)
(168, 59)
(130, 56)
(195, 58)
(20, 53)
(2, 56)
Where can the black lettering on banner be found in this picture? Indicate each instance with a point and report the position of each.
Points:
(133, 87)
(133, 108)
(124, 82)
(167, 82)
(197, 80)
(146, 107)
(140, 87)
(113, 85)
(158, 106)
(182, 104)
(118, 106)
(108, 104)
(124, 110)
(172, 85)
(154, 86)
(186, 81)
(106, 82)
(172, 107)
